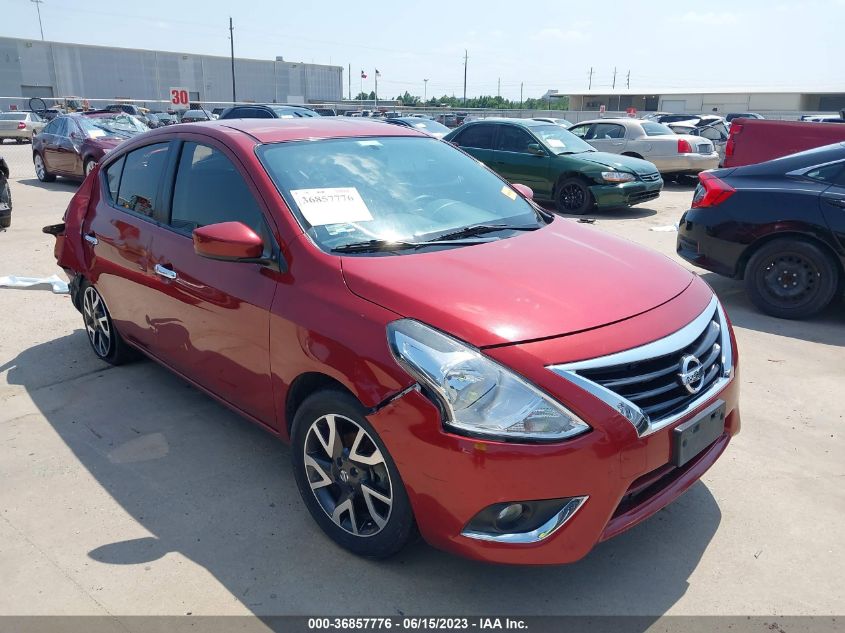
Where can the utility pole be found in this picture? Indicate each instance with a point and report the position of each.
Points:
(628, 80)
(590, 82)
(425, 90)
(614, 78)
(499, 88)
(232, 49)
(349, 81)
(38, 8)
(466, 60)
(520, 95)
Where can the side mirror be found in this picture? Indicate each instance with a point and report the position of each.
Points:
(534, 148)
(228, 241)
(526, 191)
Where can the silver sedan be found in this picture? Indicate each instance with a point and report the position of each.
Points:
(21, 126)
(672, 154)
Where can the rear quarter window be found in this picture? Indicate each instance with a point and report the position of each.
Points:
(142, 173)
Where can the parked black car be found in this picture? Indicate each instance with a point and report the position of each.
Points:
(779, 225)
(266, 111)
(742, 115)
(196, 115)
(5, 196)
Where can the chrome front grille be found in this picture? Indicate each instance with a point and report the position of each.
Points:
(654, 384)
(658, 383)
(651, 177)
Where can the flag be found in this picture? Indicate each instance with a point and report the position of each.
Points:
(363, 75)
(378, 74)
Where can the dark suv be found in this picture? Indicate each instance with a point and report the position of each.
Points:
(266, 111)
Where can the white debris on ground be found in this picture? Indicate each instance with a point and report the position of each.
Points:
(54, 283)
(667, 228)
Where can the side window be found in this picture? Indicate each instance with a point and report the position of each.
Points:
(477, 136)
(113, 177)
(604, 131)
(512, 139)
(712, 134)
(210, 190)
(581, 131)
(142, 173)
(253, 113)
(829, 173)
(51, 127)
(61, 127)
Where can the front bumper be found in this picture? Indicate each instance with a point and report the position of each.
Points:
(686, 163)
(627, 478)
(625, 194)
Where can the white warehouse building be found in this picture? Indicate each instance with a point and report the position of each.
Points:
(723, 101)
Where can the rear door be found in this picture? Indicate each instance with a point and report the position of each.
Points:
(53, 135)
(833, 198)
(477, 140)
(210, 319)
(513, 161)
(117, 232)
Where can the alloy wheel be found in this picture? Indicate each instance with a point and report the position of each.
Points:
(348, 475)
(790, 278)
(89, 167)
(96, 322)
(572, 197)
(39, 167)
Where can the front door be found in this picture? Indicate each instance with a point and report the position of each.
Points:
(210, 319)
(516, 164)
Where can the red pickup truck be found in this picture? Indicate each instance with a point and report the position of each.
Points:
(758, 140)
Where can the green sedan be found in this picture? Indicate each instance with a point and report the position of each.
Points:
(557, 165)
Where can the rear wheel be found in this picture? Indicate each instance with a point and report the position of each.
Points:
(104, 338)
(573, 196)
(347, 478)
(791, 279)
(41, 169)
(89, 166)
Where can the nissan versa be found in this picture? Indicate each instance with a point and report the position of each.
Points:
(370, 294)
(557, 165)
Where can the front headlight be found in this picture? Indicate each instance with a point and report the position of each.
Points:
(478, 395)
(617, 176)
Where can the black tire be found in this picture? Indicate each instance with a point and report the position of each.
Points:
(573, 196)
(791, 279)
(42, 174)
(105, 340)
(19, 141)
(331, 491)
(5, 199)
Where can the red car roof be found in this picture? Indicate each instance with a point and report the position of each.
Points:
(278, 130)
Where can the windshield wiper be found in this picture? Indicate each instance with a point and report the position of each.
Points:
(479, 229)
(374, 246)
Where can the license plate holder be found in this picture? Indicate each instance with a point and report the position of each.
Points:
(693, 436)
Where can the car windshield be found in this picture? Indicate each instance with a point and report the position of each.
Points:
(12, 116)
(427, 125)
(120, 126)
(288, 113)
(401, 190)
(560, 140)
(656, 129)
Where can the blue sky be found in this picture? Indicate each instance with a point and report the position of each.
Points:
(552, 44)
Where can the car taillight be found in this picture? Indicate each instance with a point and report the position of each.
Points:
(21, 125)
(684, 147)
(736, 128)
(711, 191)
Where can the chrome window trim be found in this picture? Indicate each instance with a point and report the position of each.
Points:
(667, 345)
(534, 536)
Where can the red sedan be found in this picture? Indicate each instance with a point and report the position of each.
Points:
(443, 355)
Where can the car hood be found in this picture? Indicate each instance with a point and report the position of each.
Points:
(616, 161)
(561, 279)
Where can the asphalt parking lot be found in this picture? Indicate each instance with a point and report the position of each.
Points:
(125, 491)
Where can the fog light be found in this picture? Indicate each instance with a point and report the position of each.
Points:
(509, 515)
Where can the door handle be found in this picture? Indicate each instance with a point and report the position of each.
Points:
(836, 202)
(91, 239)
(165, 272)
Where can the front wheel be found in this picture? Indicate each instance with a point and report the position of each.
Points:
(791, 279)
(106, 342)
(41, 169)
(573, 196)
(346, 477)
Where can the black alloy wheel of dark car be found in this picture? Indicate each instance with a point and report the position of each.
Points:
(791, 279)
(41, 169)
(346, 477)
(5, 203)
(573, 196)
(105, 340)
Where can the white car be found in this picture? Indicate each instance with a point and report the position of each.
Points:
(672, 154)
(561, 122)
(20, 125)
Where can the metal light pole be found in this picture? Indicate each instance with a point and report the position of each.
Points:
(425, 90)
(38, 8)
(232, 49)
